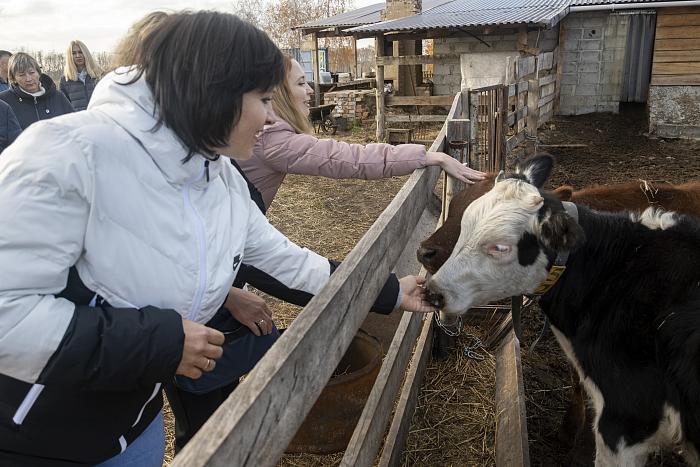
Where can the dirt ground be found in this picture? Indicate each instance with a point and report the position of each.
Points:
(330, 216)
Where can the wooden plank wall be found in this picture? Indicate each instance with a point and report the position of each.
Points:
(677, 47)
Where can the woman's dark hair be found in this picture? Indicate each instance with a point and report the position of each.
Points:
(198, 66)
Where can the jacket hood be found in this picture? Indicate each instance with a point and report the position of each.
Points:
(131, 107)
(46, 82)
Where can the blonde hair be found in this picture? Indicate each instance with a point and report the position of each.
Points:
(284, 106)
(20, 63)
(70, 71)
(126, 51)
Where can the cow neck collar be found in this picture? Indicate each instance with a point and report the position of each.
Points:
(558, 266)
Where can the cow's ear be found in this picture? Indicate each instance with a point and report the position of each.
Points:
(564, 193)
(536, 170)
(560, 232)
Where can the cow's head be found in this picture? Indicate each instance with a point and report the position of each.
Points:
(508, 238)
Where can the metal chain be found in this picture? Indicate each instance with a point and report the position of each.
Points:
(446, 329)
(470, 349)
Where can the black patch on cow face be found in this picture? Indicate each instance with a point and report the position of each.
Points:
(528, 249)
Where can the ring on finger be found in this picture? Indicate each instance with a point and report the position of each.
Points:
(206, 367)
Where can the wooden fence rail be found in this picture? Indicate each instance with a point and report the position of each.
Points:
(254, 426)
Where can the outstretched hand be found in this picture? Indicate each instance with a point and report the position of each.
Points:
(454, 168)
(413, 295)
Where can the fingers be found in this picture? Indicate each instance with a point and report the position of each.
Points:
(215, 337)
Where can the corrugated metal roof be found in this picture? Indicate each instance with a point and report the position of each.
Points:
(466, 13)
(366, 15)
(470, 13)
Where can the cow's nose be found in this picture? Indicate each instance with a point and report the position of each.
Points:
(434, 297)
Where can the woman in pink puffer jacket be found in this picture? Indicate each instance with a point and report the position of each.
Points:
(287, 146)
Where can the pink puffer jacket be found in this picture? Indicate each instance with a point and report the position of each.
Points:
(280, 151)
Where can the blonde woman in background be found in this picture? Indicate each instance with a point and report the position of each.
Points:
(80, 75)
(288, 146)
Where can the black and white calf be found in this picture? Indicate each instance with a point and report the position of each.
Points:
(626, 311)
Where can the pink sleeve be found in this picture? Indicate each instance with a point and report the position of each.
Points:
(288, 152)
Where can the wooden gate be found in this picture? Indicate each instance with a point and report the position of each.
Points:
(487, 113)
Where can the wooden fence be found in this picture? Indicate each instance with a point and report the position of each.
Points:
(254, 426)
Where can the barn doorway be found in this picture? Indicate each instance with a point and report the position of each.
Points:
(638, 57)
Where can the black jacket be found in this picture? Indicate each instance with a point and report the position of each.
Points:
(29, 109)
(113, 394)
(77, 92)
(9, 126)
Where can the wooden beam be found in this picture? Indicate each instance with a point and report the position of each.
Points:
(681, 32)
(666, 56)
(679, 68)
(511, 424)
(545, 80)
(687, 10)
(381, 120)
(401, 422)
(688, 19)
(419, 100)
(367, 437)
(458, 148)
(317, 72)
(354, 53)
(253, 427)
(414, 118)
(418, 59)
(677, 44)
(675, 80)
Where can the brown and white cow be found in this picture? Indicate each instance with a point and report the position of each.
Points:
(633, 196)
(626, 311)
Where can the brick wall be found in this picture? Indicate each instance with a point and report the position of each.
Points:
(353, 105)
(592, 55)
(447, 78)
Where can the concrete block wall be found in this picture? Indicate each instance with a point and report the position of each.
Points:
(353, 105)
(447, 77)
(674, 111)
(592, 55)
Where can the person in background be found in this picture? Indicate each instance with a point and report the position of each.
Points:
(32, 95)
(80, 75)
(4, 59)
(9, 126)
(143, 228)
(288, 146)
(125, 52)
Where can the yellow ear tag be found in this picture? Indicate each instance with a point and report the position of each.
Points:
(554, 274)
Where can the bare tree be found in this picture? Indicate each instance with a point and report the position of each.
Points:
(283, 15)
(250, 10)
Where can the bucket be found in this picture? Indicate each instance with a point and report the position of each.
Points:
(329, 425)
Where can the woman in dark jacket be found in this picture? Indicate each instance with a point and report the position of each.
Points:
(9, 126)
(80, 75)
(32, 95)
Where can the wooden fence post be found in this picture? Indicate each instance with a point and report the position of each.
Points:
(379, 47)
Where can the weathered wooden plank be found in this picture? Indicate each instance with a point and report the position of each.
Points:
(414, 118)
(680, 32)
(526, 66)
(678, 68)
(533, 97)
(254, 427)
(510, 119)
(688, 19)
(676, 80)
(401, 422)
(514, 140)
(546, 100)
(665, 56)
(677, 11)
(545, 80)
(511, 425)
(381, 117)
(545, 61)
(677, 44)
(417, 59)
(367, 437)
(419, 100)
(512, 90)
(522, 86)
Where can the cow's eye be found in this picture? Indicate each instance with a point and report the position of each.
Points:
(497, 249)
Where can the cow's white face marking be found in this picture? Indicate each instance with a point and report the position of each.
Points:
(484, 265)
(655, 219)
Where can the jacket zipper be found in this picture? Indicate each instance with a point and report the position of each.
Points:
(36, 110)
(201, 244)
(27, 403)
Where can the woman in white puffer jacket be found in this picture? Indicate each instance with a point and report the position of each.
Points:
(122, 233)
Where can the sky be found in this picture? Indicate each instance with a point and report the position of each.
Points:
(50, 25)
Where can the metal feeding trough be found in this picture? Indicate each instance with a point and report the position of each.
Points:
(329, 425)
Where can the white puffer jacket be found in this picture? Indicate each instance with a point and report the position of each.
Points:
(100, 190)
